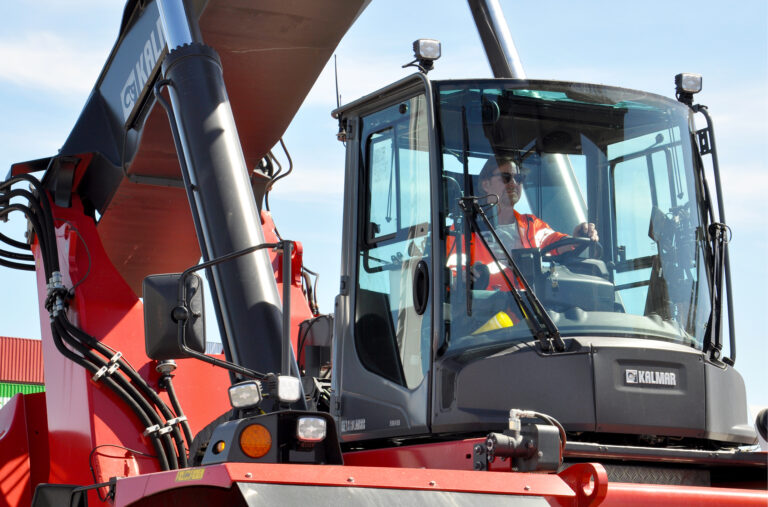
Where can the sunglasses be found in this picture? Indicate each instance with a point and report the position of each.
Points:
(507, 177)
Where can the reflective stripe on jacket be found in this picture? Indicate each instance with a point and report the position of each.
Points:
(535, 232)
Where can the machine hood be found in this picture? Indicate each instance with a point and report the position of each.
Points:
(619, 386)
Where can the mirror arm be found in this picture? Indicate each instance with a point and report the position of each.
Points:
(181, 312)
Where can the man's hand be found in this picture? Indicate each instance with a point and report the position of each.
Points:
(586, 230)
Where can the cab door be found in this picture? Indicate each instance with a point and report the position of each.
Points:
(384, 314)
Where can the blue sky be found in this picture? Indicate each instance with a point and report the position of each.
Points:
(52, 52)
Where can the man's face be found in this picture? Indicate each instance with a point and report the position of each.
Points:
(503, 182)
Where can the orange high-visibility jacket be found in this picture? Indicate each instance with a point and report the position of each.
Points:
(534, 233)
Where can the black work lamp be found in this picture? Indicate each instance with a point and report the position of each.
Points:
(686, 85)
(425, 51)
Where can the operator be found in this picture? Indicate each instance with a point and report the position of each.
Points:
(501, 176)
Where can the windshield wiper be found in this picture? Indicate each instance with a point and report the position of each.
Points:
(542, 326)
(713, 342)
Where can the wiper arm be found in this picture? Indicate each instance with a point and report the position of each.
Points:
(542, 326)
(713, 342)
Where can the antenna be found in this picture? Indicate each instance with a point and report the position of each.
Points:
(336, 75)
(341, 135)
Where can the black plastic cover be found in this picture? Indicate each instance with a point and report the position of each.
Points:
(161, 297)
(59, 495)
(285, 446)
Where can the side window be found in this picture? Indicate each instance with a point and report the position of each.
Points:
(392, 333)
(383, 212)
(635, 250)
(651, 199)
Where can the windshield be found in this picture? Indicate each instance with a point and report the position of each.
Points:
(592, 191)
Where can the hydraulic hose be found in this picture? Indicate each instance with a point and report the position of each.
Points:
(17, 256)
(137, 381)
(66, 352)
(168, 384)
(47, 213)
(13, 242)
(17, 265)
(123, 389)
(36, 226)
(136, 393)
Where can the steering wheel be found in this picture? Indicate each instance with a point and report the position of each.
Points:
(579, 245)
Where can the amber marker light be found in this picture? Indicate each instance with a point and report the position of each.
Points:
(255, 441)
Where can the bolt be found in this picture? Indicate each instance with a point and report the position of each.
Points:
(248, 475)
(527, 487)
(350, 479)
(432, 483)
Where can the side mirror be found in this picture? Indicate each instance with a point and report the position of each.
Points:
(169, 323)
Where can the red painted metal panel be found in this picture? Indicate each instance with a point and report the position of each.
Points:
(15, 487)
(630, 495)
(37, 438)
(21, 360)
(550, 486)
(452, 455)
(299, 307)
(83, 414)
(580, 485)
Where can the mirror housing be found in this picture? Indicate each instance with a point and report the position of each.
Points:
(166, 321)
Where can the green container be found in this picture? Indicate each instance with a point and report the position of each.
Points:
(8, 390)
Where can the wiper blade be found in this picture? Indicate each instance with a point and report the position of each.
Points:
(542, 326)
(713, 341)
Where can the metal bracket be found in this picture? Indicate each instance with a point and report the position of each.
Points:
(165, 428)
(176, 420)
(109, 369)
(65, 179)
(157, 429)
(705, 141)
(57, 294)
(480, 457)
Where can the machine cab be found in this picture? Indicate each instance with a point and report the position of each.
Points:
(465, 292)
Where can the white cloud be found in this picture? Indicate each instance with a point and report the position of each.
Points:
(47, 61)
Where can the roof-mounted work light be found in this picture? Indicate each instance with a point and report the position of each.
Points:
(425, 51)
(686, 85)
(245, 395)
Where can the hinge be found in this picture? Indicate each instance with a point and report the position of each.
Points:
(344, 286)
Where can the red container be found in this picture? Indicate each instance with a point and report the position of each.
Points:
(21, 360)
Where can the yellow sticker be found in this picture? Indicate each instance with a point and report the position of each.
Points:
(194, 474)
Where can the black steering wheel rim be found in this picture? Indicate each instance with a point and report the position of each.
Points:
(579, 244)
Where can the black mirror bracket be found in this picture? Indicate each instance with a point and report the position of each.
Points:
(707, 146)
(181, 313)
